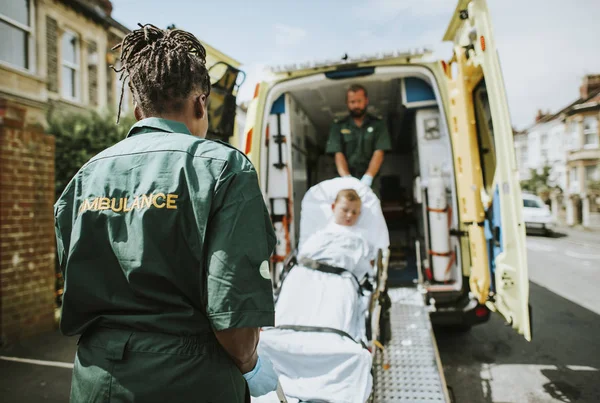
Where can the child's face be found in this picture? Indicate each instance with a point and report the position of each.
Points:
(346, 212)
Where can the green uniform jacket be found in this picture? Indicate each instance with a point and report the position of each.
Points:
(358, 143)
(162, 239)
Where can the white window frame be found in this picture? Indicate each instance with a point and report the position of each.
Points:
(70, 65)
(573, 179)
(595, 175)
(524, 157)
(30, 30)
(592, 131)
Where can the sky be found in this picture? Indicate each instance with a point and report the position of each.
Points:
(545, 46)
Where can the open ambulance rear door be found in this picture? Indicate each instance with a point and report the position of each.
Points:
(487, 178)
(265, 143)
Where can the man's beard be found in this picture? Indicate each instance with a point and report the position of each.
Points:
(357, 113)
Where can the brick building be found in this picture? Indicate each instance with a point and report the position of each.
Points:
(583, 157)
(53, 54)
(58, 55)
(569, 142)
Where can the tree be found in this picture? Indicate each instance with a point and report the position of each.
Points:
(594, 187)
(80, 136)
(539, 183)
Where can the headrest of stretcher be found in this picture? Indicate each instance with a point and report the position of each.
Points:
(316, 211)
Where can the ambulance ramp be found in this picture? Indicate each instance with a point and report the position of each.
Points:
(409, 369)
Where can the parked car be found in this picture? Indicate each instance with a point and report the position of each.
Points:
(537, 216)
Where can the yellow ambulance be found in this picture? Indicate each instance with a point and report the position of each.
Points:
(451, 132)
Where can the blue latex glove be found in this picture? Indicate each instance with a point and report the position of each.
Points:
(367, 180)
(262, 379)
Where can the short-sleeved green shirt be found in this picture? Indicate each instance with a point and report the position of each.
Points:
(358, 143)
(165, 232)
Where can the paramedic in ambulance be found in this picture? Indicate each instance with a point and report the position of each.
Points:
(164, 240)
(358, 140)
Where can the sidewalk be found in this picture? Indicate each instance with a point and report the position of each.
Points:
(579, 235)
(37, 369)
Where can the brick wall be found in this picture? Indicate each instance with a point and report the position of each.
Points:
(27, 250)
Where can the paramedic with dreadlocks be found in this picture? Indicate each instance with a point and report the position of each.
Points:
(164, 241)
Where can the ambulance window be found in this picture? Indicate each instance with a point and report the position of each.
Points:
(485, 134)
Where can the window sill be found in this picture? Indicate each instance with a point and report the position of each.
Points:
(20, 71)
(71, 101)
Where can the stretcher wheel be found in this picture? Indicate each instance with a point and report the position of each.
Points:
(385, 324)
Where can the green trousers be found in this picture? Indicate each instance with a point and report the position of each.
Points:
(125, 366)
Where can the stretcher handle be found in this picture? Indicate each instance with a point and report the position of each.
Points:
(280, 394)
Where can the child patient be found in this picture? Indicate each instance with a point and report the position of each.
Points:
(315, 298)
(339, 244)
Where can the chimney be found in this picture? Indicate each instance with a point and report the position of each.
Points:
(591, 83)
(104, 6)
(540, 115)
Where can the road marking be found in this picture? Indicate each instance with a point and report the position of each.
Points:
(539, 247)
(587, 245)
(581, 255)
(38, 362)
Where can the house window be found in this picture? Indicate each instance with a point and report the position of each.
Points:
(524, 156)
(573, 179)
(590, 131)
(544, 147)
(591, 173)
(572, 135)
(16, 33)
(70, 65)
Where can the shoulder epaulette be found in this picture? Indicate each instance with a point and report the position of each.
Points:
(342, 119)
(234, 148)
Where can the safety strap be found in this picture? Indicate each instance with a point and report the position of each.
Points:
(316, 265)
(452, 255)
(437, 210)
(299, 328)
(445, 254)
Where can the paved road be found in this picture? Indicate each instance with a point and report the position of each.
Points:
(569, 266)
(492, 364)
(31, 382)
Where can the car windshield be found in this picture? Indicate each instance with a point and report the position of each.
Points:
(532, 203)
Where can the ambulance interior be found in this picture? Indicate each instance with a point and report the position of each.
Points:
(417, 191)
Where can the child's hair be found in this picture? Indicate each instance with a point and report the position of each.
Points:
(348, 194)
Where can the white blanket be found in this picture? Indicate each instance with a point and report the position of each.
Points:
(320, 367)
(340, 246)
(313, 298)
(323, 366)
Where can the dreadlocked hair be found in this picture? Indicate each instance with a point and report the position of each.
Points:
(163, 68)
